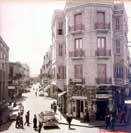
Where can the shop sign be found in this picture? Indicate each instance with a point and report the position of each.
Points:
(103, 96)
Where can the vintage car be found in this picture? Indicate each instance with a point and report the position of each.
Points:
(13, 115)
(41, 93)
(48, 119)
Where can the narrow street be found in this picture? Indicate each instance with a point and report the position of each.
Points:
(36, 104)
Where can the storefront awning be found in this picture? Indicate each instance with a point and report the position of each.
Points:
(11, 87)
(62, 93)
(47, 88)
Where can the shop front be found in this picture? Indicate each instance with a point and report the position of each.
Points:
(79, 105)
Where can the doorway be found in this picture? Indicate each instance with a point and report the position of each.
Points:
(78, 108)
(102, 108)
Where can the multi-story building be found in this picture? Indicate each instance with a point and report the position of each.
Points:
(18, 77)
(97, 57)
(46, 68)
(90, 57)
(4, 58)
(26, 73)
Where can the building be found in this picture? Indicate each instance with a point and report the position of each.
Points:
(18, 79)
(26, 73)
(90, 57)
(46, 68)
(4, 58)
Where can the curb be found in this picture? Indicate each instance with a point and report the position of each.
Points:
(91, 126)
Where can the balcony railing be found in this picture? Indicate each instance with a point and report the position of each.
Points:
(76, 28)
(77, 53)
(103, 81)
(79, 81)
(102, 26)
(102, 53)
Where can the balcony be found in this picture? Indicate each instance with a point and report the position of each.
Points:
(104, 81)
(76, 29)
(77, 54)
(102, 27)
(77, 81)
(103, 54)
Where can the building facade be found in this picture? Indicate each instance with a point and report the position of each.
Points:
(18, 79)
(4, 59)
(95, 61)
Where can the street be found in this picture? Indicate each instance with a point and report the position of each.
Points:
(36, 104)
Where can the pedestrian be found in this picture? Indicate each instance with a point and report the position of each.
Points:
(69, 119)
(51, 106)
(112, 121)
(36, 93)
(55, 108)
(107, 121)
(86, 118)
(27, 118)
(35, 122)
(21, 122)
(39, 127)
(17, 124)
(123, 117)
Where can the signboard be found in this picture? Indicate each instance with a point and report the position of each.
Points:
(103, 95)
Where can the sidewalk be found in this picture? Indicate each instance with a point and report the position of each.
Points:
(100, 124)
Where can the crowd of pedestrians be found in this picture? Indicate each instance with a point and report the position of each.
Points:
(20, 124)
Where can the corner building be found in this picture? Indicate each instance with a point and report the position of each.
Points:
(96, 57)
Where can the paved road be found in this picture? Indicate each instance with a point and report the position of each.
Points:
(36, 104)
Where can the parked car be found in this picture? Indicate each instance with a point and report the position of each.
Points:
(13, 115)
(41, 93)
(46, 94)
(49, 120)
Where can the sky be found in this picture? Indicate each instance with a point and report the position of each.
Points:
(26, 29)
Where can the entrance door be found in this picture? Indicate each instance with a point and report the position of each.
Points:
(78, 108)
(102, 108)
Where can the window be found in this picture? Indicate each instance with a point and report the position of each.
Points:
(118, 49)
(78, 21)
(78, 43)
(101, 46)
(60, 28)
(100, 17)
(101, 69)
(60, 50)
(118, 71)
(61, 72)
(117, 23)
(78, 73)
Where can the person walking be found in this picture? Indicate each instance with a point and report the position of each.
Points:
(55, 108)
(113, 120)
(21, 122)
(17, 124)
(40, 127)
(27, 118)
(69, 119)
(86, 119)
(107, 121)
(35, 122)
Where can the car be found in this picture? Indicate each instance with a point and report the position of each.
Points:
(41, 93)
(45, 94)
(13, 115)
(49, 120)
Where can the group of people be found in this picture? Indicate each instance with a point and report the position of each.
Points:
(20, 124)
(19, 120)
